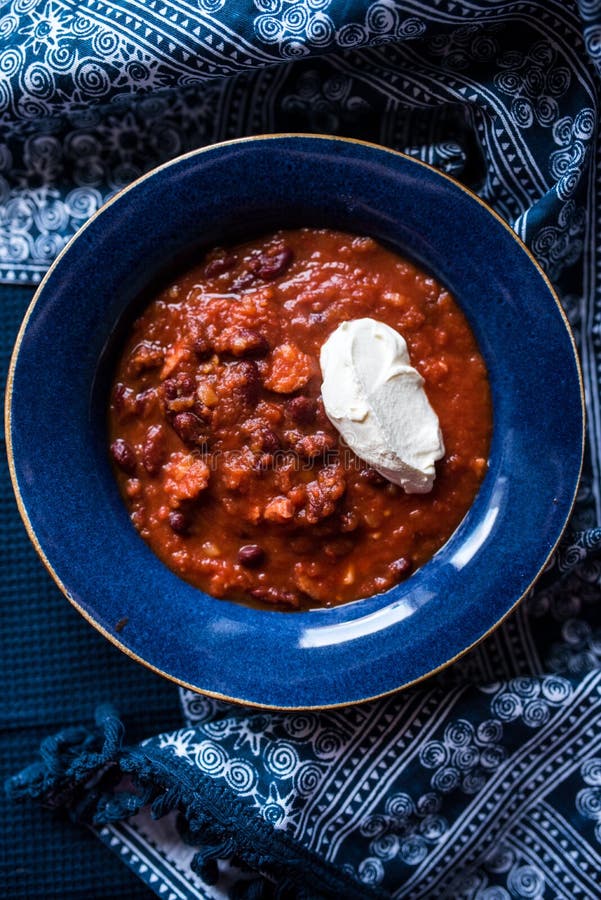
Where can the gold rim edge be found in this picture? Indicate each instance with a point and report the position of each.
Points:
(25, 517)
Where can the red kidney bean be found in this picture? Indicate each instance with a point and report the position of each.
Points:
(185, 385)
(181, 385)
(124, 456)
(219, 265)
(144, 402)
(170, 388)
(203, 412)
(271, 267)
(153, 452)
(262, 438)
(178, 522)
(123, 400)
(270, 442)
(202, 347)
(251, 555)
(302, 410)
(189, 428)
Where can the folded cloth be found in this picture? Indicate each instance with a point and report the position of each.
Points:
(484, 782)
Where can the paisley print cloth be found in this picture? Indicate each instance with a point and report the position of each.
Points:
(485, 782)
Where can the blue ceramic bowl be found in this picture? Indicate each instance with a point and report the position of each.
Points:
(68, 497)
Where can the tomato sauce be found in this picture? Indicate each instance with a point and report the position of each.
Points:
(224, 455)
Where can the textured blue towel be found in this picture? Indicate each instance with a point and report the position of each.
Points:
(54, 669)
(485, 782)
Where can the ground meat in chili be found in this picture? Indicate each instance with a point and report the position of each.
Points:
(223, 452)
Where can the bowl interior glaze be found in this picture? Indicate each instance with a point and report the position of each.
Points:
(57, 402)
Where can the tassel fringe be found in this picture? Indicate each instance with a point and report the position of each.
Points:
(80, 769)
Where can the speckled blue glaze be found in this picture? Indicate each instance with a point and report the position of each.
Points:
(322, 657)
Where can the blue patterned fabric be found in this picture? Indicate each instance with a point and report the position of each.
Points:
(485, 782)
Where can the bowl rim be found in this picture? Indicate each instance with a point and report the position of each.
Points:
(34, 302)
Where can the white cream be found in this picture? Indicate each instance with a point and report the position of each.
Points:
(376, 400)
